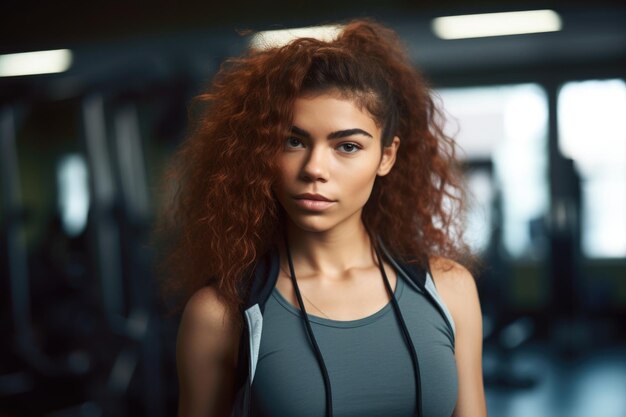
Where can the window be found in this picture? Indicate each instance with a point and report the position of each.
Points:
(592, 132)
(506, 125)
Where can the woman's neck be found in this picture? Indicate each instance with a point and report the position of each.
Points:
(330, 254)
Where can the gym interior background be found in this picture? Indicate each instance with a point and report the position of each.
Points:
(540, 117)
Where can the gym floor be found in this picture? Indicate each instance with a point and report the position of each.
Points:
(540, 382)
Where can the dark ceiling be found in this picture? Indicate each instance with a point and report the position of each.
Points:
(31, 25)
(133, 38)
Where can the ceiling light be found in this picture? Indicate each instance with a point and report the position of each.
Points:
(496, 24)
(276, 38)
(30, 63)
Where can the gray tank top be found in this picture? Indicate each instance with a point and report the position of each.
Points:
(368, 362)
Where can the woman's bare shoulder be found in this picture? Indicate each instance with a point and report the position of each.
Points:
(206, 307)
(457, 287)
(455, 284)
(206, 352)
(206, 321)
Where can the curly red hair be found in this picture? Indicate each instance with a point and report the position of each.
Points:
(223, 215)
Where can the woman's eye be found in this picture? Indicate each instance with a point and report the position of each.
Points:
(350, 147)
(293, 142)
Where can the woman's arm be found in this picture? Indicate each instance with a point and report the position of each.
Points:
(458, 289)
(206, 352)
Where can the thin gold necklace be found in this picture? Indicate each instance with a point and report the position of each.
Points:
(316, 307)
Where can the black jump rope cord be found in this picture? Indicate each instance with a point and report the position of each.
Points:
(407, 338)
(318, 354)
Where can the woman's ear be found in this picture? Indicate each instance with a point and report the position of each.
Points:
(389, 157)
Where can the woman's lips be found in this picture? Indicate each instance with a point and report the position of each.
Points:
(316, 205)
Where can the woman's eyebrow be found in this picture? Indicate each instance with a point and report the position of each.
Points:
(348, 132)
(334, 135)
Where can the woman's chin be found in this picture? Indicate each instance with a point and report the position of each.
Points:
(312, 225)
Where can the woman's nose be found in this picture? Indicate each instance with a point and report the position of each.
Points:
(316, 164)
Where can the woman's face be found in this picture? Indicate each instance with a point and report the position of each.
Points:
(334, 150)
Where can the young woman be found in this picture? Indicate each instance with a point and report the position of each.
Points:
(316, 242)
